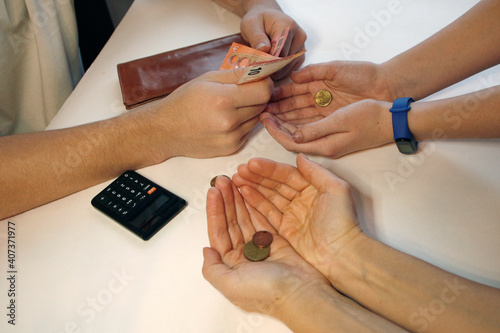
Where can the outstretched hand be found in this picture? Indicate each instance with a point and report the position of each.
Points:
(263, 286)
(308, 205)
(357, 117)
(358, 126)
(347, 81)
(285, 285)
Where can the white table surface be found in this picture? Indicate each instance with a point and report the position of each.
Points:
(79, 271)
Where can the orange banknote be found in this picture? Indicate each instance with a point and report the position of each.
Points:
(258, 65)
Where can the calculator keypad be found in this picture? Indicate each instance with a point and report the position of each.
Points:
(138, 204)
(127, 195)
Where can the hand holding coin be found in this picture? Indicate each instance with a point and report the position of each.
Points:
(236, 233)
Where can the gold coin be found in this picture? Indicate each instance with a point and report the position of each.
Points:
(213, 180)
(323, 97)
(255, 253)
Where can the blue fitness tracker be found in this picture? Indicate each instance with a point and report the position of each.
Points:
(405, 141)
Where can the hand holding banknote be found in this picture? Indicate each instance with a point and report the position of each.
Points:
(261, 23)
(259, 65)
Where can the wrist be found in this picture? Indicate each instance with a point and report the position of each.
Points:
(398, 85)
(346, 265)
(249, 5)
(241, 8)
(148, 140)
(320, 308)
(385, 122)
(317, 308)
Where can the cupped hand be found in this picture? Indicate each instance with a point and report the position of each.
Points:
(362, 125)
(263, 286)
(309, 206)
(347, 81)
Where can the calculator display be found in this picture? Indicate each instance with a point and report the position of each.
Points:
(138, 204)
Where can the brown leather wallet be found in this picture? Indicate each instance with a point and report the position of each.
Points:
(150, 78)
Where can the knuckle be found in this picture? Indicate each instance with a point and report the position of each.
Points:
(226, 124)
(332, 152)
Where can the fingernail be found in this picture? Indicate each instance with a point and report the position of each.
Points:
(261, 45)
(297, 137)
(213, 180)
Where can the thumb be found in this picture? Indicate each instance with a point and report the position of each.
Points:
(314, 131)
(317, 175)
(315, 72)
(213, 267)
(257, 38)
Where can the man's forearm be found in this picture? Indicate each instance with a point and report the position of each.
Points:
(41, 167)
(463, 48)
(241, 7)
(411, 292)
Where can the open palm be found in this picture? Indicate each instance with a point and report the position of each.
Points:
(309, 206)
(348, 82)
(254, 286)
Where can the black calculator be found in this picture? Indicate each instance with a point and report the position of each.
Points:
(138, 204)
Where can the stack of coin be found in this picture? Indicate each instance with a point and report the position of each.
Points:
(259, 247)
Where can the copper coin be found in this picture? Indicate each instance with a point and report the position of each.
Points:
(262, 238)
(255, 253)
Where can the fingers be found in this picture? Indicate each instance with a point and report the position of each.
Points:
(292, 105)
(330, 146)
(280, 177)
(253, 31)
(292, 102)
(260, 27)
(253, 93)
(257, 38)
(298, 40)
(291, 89)
(293, 45)
(263, 207)
(316, 72)
(297, 100)
(279, 131)
(269, 187)
(261, 221)
(280, 198)
(239, 225)
(293, 66)
(247, 94)
(229, 224)
(316, 130)
(216, 221)
(287, 134)
(276, 124)
(238, 106)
